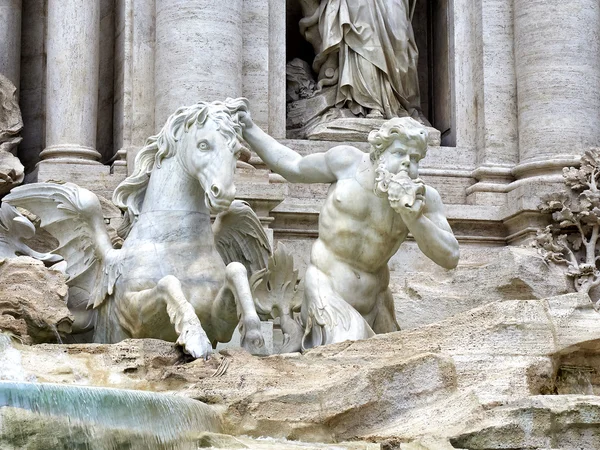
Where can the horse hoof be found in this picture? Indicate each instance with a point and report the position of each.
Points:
(253, 341)
(196, 345)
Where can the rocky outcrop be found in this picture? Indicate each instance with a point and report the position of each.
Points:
(513, 273)
(509, 374)
(12, 171)
(33, 301)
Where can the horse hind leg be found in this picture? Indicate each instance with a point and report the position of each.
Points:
(151, 302)
(237, 289)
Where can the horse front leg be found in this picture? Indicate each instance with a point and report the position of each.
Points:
(150, 303)
(236, 296)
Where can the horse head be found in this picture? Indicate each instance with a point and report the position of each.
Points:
(208, 148)
(205, 140)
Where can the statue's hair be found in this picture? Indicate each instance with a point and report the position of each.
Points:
(130, 194)
(392, 130)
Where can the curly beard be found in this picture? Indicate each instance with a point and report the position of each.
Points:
(383, 178)
(401, 190)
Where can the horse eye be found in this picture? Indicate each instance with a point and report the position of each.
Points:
(203, 146)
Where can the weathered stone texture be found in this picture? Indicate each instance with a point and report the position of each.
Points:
(483, 379)
(33, 301)
(11, 124)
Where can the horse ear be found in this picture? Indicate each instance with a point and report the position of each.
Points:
(202, 115)
(199, 118)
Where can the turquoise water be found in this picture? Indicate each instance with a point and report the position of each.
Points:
(153, 418)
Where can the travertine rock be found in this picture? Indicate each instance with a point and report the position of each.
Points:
(514, 273)
(33, 301)
(484, 379)
(11, 122)
(12, 171)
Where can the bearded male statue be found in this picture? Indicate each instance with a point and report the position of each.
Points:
(374, 202)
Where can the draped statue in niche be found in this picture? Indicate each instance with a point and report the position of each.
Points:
(365, 66)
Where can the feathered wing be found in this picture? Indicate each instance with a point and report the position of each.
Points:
(74, 217)
(239, 236)
(14, 229)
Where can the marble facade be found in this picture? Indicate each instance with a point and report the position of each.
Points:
(515, 85)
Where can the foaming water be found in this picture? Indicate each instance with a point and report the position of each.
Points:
(10, 361)
(154, 418)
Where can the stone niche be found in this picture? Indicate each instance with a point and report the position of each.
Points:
(430, 25)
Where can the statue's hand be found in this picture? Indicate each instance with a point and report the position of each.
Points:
(407, 196)
(245, 120)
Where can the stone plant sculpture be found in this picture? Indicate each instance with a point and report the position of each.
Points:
(175, 277)
(572, 238)
(275, 291)
(374, 202)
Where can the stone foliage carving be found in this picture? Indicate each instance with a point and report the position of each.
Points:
(275, 291)
(175, 277)
(572, 238)
(366, 65)
(12, 171)
(374, 201)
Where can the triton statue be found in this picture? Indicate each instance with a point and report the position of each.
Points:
(374, 202)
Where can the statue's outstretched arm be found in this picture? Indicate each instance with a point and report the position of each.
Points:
(433, 233)
(316, 168)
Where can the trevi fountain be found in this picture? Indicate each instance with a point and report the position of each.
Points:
(300, 224)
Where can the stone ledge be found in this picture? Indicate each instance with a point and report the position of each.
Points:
(470, 378)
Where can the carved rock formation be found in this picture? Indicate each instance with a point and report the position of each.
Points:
(513, 273)
(510, 374)
(33, 301)
(12, 171)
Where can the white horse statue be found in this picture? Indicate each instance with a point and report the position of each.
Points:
(176, 277)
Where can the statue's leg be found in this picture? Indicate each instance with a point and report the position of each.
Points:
(326, 316)
(384, 314)
(141, 307)
(237, 296)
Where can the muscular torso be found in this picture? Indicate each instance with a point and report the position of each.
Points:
(358, 234)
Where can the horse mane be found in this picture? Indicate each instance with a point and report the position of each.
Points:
(130, 193)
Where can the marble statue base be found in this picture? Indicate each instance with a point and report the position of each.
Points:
(317, 119)
(358, 129)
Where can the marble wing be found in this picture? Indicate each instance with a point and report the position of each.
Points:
(14, 229)
(74, 217)
(239, 236)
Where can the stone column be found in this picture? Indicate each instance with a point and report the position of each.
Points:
(277, 82)
(496, 105)
(198, 53)
(255, 70)
(134, 79)
(10, 40)
(557, 52)
(72, 81)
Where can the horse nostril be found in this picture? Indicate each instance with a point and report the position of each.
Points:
(214, 189)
